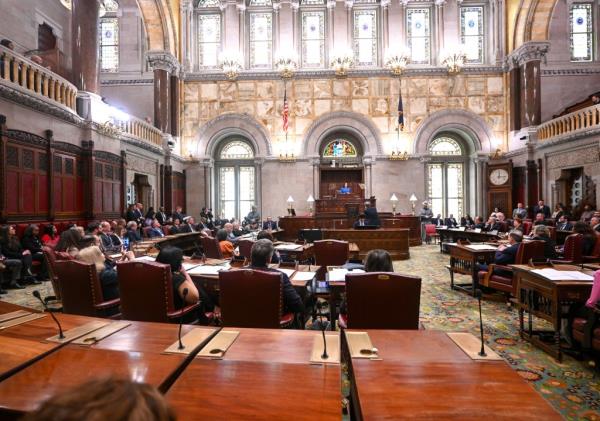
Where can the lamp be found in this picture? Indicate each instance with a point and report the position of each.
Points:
(290, 201)
(231, 64)
(310, 201)
(396, 61)
(413, 200)
(342, 62)
(286, 64)
(394, 201)
(454, 59)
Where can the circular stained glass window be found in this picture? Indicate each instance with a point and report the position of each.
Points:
(471, 24)
(418, 25)
(579, 21)
(108, 34)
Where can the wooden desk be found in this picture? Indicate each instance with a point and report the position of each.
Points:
(424, 375)
(592, 266)
(544, 298)
(464, 260)
(265, 375)
(453, 235)
(394, 240)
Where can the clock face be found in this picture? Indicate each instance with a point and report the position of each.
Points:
(499, 177)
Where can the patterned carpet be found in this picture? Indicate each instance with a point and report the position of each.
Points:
(572, 387)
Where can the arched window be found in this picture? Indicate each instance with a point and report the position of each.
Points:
(445, 177)
(109, 37)
(236, 178)
(339, 148)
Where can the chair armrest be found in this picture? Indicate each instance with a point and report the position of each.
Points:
(591, 259)
(562, 262)
(186, 310)
(108, 304)
(502, 267)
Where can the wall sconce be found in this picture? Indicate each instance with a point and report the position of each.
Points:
(286, 64)
(310, 201)
(290, 202)
(413, 201)
(396, 61)
(394, 201)
(231, 64)
(454, 59)
(342, 62)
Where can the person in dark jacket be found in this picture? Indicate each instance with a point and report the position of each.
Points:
(31, 241)
(132, 232)
(11, 248)
(505, 255)
(563, 224)
(371, 214)
(589, 237)
(542, 233)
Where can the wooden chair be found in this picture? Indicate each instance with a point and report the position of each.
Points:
(252, 298)
(331, 252)
(380, 300)
(595, 257)
(211, 248)
(146, 232)
(50, 259)
(431, 233)
(503, 280)
(81, 292)
(245, 247)
(527, 225)
(146, 291)
(573, 250)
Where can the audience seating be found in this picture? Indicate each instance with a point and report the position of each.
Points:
(595, 257)
(146, 232)
(252, 298)
(146, 292)
(573, 250)
(504, 280)
(211, 248)
(431, 233)
(380, 300)
(80, 290)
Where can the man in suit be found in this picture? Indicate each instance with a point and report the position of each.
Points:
(361, 222)
(564, 224)
(189, 225)
(492, 225)
(176, 227)
(519, 212)
(161, 216)
(539, 219)
(269, 224)
(156, 230)
(478, 223)
(178, 214)
(595, 223)
(132, 233)
(110, 243)
(371, 214)
(505, 255)
(543, 209)
(450, 221)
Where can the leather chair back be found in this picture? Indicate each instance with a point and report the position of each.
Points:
(146, 232)
(596, 249)
(80, 287)
(146, 291)
(430, 229)
(529, 250)
(250, 298)
(246, 249)
(166, 229)
(380, 300)
(50, 259)
(527, 227)
(552, 232)
(331, 252)
(211, 248)
(573, 250)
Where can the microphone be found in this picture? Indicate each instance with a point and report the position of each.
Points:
(325, 355)
(482, 352)
(185, 293)
(37, 295)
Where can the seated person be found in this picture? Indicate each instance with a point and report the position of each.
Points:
(106, 271)
(189, 225)
(253, 218)
(236, 229)
(595, 223)
(438, 220)
(93, 228)
(518, 226)
(206, 217)
(589, 237)
(228, 227)
(69, 242)
(156, 230)
(345, 189)
(110, 243)
(361, 222)
(11, 248)
(466, 221)
(132, 234)
(492, 225)
(542, 233)
(178, 214)
(269, 224)
(501, 219)
(505, 255)
(539, 219)
(262, 254)
(31, 241)
(563, 224)
(224, 244)
(50, 237)
(478, 223)
(176, 227)
(587, 213)
(519, 212)
(450, 222)
(267, 235)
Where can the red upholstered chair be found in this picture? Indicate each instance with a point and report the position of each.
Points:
(245, 247)
(586, 331)
(527, 225)
(50, 258)
(146, 291)
(165, 229)
(595, 257)
(380, 300)
(504, 281)
(146, 232)
(431, 233)
(20, 229)
(252, 298)
(331, 252)
(211, 248)
(573, 250)
(80, 289)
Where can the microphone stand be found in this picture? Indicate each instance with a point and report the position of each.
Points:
(482, 351)
(37, 295)
(185, 293)
(325, 355)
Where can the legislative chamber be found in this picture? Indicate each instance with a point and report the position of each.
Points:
(299, 210)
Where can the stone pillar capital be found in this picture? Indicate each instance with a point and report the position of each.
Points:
(331, 4)
(529, 51)
(162, 60)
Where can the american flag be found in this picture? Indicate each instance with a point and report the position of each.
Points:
(286, 113)
(400, 112)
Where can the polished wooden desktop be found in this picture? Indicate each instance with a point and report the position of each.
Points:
(425, 375)
(394, 240)
(452, 235)
(265, 374)
(464, 260)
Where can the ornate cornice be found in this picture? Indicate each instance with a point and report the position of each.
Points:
(571, 70)
(530, 51)
(26, 138)
(108, 157)
(67, 147)
(162, 60)
(121, 82)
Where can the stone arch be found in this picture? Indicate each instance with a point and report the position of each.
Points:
(159, 23)
(469, 126)
(232, 124)
(358, 125)
(532, 21)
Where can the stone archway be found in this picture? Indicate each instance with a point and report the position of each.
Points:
(160, 25)
(532, 22)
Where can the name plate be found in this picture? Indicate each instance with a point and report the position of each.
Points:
(103, 332)
(471, 346)
(79, 331)
(190, 341)
(219, 345)
(21, 320)
(333, 349)
(360, 346)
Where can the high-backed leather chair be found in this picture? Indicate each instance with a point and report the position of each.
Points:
(503, 280)
(211, 248)
(331, 252)
(146, 232)
(80, 290)
(527, 225)
(166, 229)
(252, 298)
(50, 258)
(573, 250)
(245, 247)
(595, 256)
(146, 291)
(381, 300)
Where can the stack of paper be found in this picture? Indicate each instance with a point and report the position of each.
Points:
(146, 258)
(189, 266)
(289, 247)
(288, 272)
(304, 276)
(481, 247)
(563, 275)
(339, 274)
(206, 270)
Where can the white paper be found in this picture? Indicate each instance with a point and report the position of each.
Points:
(563, 275)
(146, 258)
(288, 272)
(189, 266)
(304, 276)
(289, 247)
(480, 247)
(340, 274)
(206, 270)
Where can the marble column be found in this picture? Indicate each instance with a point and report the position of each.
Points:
(276, 28)
(385, 27)
(187, 12)
(163, 65)
(241, 8)
(531, 103)
(349, 26)
(330, 20)
(84, 29)
(439, 24)
(174, 105)
(295, 5)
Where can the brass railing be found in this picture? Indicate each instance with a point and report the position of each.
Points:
(18, 70)
(572, 123)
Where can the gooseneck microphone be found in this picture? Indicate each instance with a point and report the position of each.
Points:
(325, 355)
(185, 293)
(478, 295)
(37, 295)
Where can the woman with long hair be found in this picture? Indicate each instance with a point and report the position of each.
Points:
(50, 237)
(10, 246)
(105, 269)
(69, 242)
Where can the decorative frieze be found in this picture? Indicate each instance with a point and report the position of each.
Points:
(162, 60)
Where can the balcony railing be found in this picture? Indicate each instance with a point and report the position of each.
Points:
(141, 130)
(574, 123)
(36, 79)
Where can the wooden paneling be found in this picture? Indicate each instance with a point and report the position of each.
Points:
(394, 240)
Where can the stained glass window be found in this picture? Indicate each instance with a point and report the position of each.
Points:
(365, 37)
(261, 3)
(313, 2)
(208, 3)
(236, 179)
(339, 148)
(209, 40)
(581, 31)
(109, 44)
(445, 146)
(261, 40)
(111, 6)
(418, 35)
(313, 38)
(472, 32)
(436, 188)
(237, 150)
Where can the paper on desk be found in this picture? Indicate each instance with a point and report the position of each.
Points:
(481, 247)
(563, 275)
(288, 272)
(289, 247)
(146, 258)
(205, 270)
(189, 266)
(340, 274)
(304, 276)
